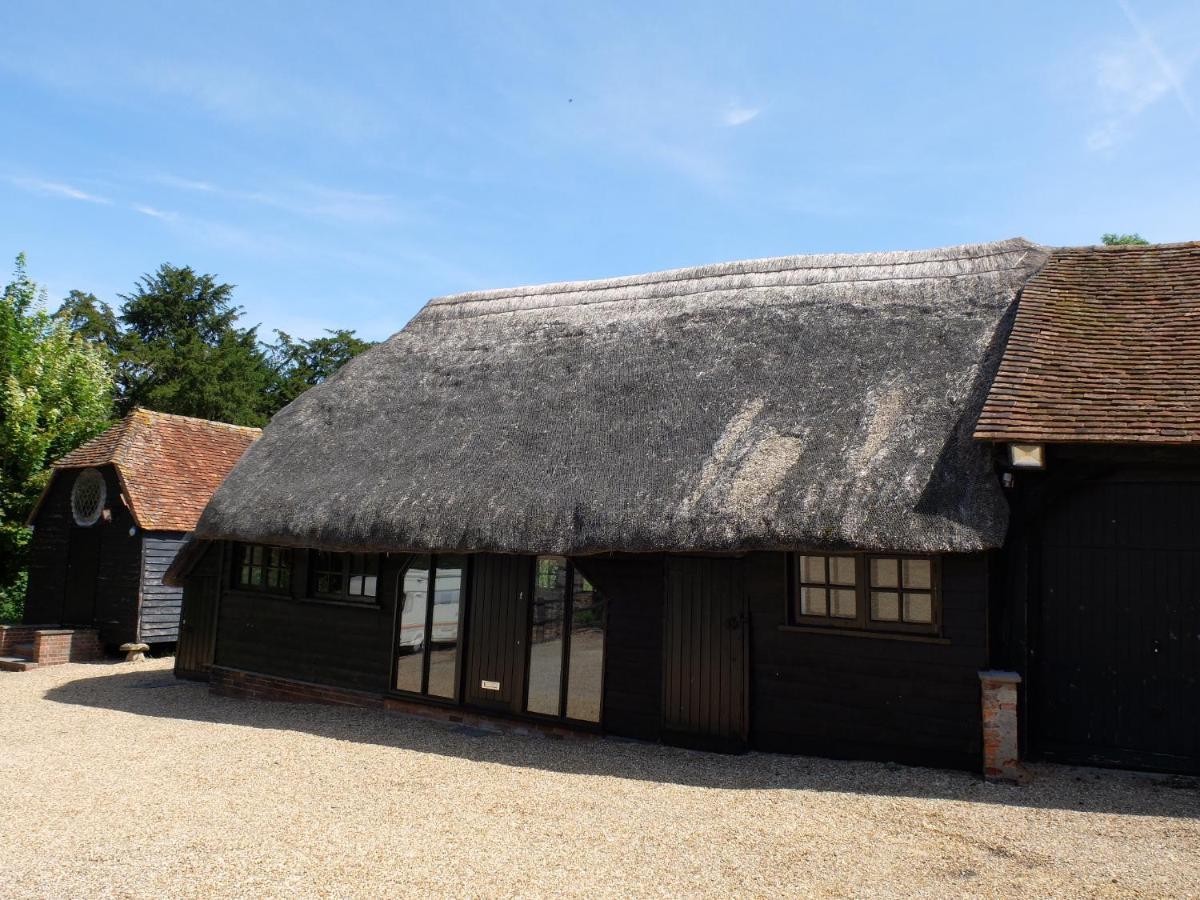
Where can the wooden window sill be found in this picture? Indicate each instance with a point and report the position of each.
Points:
(862, 633)
(353, 604)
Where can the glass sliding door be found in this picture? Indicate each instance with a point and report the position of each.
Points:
(546, 636)
(428, 625)
(585, 672)
(566, 643)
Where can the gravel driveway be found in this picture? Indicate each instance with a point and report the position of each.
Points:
(118, 780)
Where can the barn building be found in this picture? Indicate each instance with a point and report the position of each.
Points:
(762, 504)
(109, 524)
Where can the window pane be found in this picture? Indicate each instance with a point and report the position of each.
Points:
(245, 576)
(885, 606)
(841, 570)
(884, 573)
(369, 585)
(917, 573)
(256, 577)
(443, 642)
(545, 639)
(812, 568)
(812, 601)
(285, 578)
(411, 641)
(356, 585)
(842, 604)
(256, 554)
(918, 608)
(586, 667)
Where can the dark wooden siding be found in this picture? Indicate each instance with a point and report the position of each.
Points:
(633, 588)
(1115, 671)
(870, 698)
(118, 574)
(704, 653)
(497, 624)
(48, 554)
(198, 616)
(337, 644)
(160, 602)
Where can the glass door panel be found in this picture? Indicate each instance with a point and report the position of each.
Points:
(546, 636)
(566, 643)
(410, 626)
(585, 674)
(444, 625)
(428, 626)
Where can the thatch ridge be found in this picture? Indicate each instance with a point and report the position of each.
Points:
(750, 405)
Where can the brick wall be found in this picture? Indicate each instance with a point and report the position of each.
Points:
(237, 683)
(1001, 751)
(53, 646)
(11, 635)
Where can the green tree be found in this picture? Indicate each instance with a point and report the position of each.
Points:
(301, 364)
(55, 393)
(182, 352)
(92, 319)
(1112, 239)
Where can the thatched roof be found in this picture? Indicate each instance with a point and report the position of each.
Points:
(808, 400)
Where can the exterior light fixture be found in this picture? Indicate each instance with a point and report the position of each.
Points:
(1027, 456)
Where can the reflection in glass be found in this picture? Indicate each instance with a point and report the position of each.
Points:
(841, 570)
(883, 573)
(443, 641)
(410, 641)
(843, 604)
(585, 671)
(917, 573)
(885, 606)
(918, 607)
(812, 601)
(546, 635)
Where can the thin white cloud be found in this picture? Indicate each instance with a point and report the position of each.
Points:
(57, 189)
(304, 199)
(1130, 79)
(739, 115)
(1167, 70)
(155, 213)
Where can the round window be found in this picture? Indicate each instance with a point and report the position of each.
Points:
(87, 497)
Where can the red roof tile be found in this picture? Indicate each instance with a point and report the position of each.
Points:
(169, 465)
(1105, 348)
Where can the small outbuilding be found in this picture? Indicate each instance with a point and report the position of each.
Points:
(112, 518)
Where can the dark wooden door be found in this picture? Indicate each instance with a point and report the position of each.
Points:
(1116, 643)
(83, 565)
(496, 631)
(197, 626)
(704, 654)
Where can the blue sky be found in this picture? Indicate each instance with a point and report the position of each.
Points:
(342, 163)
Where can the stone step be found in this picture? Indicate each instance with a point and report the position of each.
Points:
(16, 664)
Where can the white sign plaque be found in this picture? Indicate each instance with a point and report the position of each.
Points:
(489, 685)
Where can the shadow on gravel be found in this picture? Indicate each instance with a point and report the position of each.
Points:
(158, 693)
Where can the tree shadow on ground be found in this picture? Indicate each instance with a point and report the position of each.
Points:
(157, 693)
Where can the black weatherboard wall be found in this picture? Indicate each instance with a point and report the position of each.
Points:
(85, 576)
(889, 698)
(909, 698)
(1102, 616)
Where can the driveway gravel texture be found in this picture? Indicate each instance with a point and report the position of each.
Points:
(119, 781)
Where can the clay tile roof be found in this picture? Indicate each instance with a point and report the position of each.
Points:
(1105, 348)
(169, 465)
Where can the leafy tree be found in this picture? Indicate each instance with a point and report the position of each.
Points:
(301, 364)
(55, 393)
(182, 352)
(1111, 239)
(92, 319)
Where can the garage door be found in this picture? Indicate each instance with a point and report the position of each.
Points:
(1117, 632)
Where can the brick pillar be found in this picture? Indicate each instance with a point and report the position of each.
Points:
(1001, 753)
